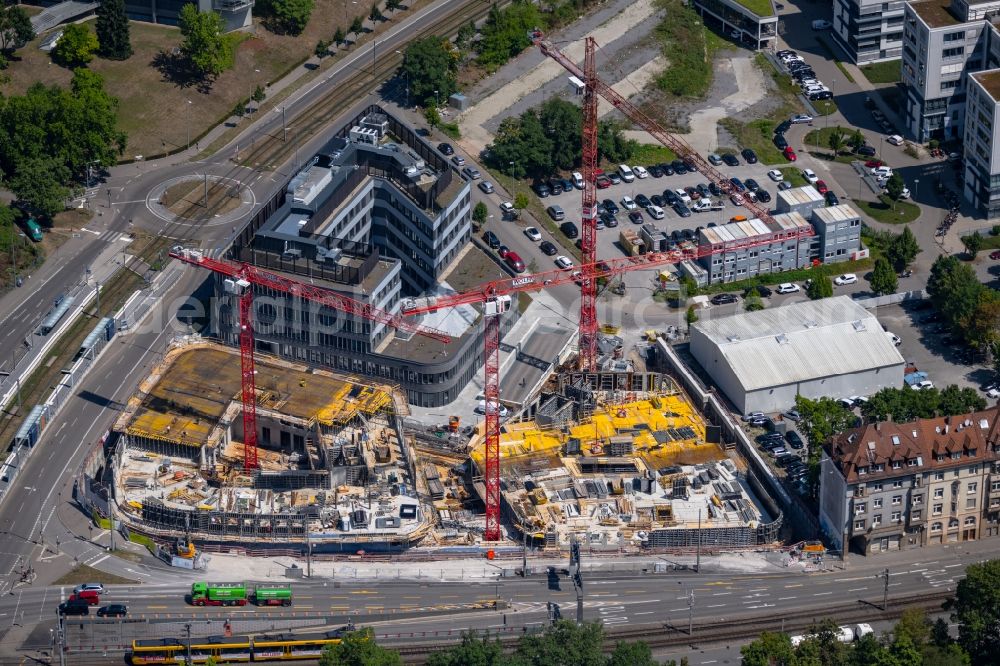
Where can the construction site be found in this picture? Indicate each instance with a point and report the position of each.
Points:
(333, 467)
(613, 460)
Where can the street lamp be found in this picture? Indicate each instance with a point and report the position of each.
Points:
(437, 102)
(188, 123)
(916, 187)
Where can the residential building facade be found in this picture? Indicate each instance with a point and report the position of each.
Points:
(738, 21)
(894, 486)
(982, 150)
(869, 30)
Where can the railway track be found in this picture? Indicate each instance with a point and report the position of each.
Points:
(268, 149)
(666, 634)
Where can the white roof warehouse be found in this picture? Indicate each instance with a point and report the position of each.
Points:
(832, 347)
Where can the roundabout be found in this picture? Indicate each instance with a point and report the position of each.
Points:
(201, 200)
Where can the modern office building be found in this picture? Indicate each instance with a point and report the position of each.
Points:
(737, 20)
(982, 149)
(894, 486)
(753, 247)
(377, 215)
(869, 30)
(762, 360)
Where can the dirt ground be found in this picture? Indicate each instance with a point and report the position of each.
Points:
(154, 109)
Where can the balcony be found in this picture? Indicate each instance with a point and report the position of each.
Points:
(231, 5)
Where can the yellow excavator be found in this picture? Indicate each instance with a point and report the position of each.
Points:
(185, 548)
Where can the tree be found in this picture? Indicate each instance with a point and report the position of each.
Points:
(954, 289)
(505, 32)
(480, 212)
(521, 201)
(820, 287)
(612, 144)
(822, 419)
(973, 244)
(357, 26)
(753, 302)
(634, 653)
(15, 27)
(375, 15)
(113, 30)
(432, 116)
(894, 186)
(884, 280)
(981, 327)
(856, 140)
(465, 34)
(290, 16)
(771, 649)
(837, 140)
(208, 50)
(430, 66)
(976, 609)
(564, 642)
(562, 123)
(902, 249)
(240, 108)
(339, 36)
(259, 94)
(358, 648)
(691, 316)
(322, 49)
(472, 651)
(76, 47)
(39, 183)
(393, 5)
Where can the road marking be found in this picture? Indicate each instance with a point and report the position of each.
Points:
(952, 566)
(677, 610)
(721, 594)
(857, 589)
(795, 585)
(716, 606)
(821, 594)
(645, 613)
(786, 598)
(760, 589)
(158, 607)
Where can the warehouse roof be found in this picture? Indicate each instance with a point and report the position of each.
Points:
(800, 342)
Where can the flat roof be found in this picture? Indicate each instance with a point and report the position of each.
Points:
(834, 214)
(800, 195)
(780, 346)
(793, 220)
(935, 13)
(990, 81)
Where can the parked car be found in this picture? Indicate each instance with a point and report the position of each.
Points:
(642, 201)
(895, 140)
(714, 189)
(486, 186)
(800, 118)
(577, 179)
(533, 234)
(681, 209)
(790, 154)
(679, 167)
(655, 171)
(655, 212)
(628, 203)
(491, 239)
(640, 172)
(564, 262)
(761, 290)
(569, 230)
(821, 24)
(749, 155)
(458, 160)
(548, 248)
(635, 217)
(752, 415)
(787, 288)
(794, 440)
(866, 150)
(792, 415)
(724, 299)
(763, 195)
(810, 175)
(503, 251)
(446, 149)
(541, 189)
(821, 186)
(714, 159)
(831, 199)
(752, 184)
(730, 159)
(922, 385)
(615, 178)
(556, 213)
(610, 206)
(846, 278)
(738, 184)
(602, 182)
(472, 172)
(780, 142)
(74, 608)
(775, 175)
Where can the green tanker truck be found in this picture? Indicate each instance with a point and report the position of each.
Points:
(237, 594)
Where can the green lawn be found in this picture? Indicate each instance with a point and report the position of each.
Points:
(794, 176)
(989, 242)
(758, 7)
(652, 153)
(825, 107)
(883, 72)
(756, 134)
(882, 210)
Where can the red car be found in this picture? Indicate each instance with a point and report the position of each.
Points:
(821, 186)
(602, 182)
(995, 254)
(874, 164)
(790, 154)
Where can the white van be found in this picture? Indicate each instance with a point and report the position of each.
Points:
(625, 171)
(577, 180)
(655, 212)
(895, 140)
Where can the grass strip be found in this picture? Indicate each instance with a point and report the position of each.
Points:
(84, 574)
(885, 211)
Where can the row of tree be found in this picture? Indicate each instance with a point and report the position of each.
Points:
(49, 135)
(538, 142)
(971, 308)
(903, 405)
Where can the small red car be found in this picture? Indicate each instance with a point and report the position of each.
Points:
(790, 154)
(602, 182)
(995, 254)
(821, 186)
(874, 164)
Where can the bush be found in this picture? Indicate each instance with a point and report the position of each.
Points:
(682, 33)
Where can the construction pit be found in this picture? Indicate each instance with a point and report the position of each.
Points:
(334, 468)
(618, 470)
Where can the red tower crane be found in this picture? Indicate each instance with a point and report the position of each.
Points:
(496, 296)
(243, 279)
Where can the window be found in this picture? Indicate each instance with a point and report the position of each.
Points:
(939, 476)
(862, 471)
(970, 520)
(970, 503)
(877, 503)
(897, 500)
(897, 484)
(938, 493)
(916, 514)
(953, 52)
(953, 523)
(955, 36)
(877, 486)
(938, 508)
(876, 520)
(918, 498)
(956, 455)
(936, 527)
(973, 486)
(896, 465)
(995, 486)
(896, 516)
(859, 524)
(880, 467)
(860, 507)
